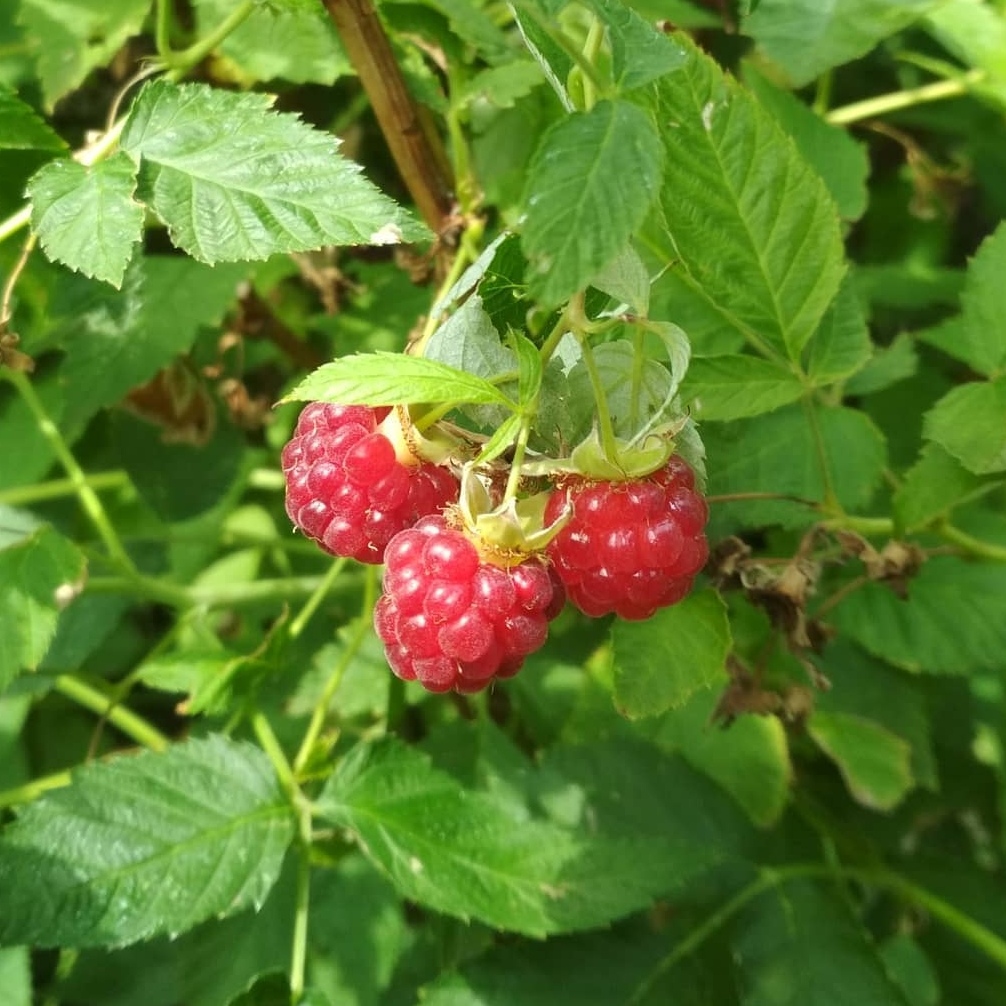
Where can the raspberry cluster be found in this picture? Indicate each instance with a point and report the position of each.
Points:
(631, 547)
(346, 487)
(451, 619)
(461, 604)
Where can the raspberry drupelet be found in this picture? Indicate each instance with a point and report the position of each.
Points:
(450, 618)
(633, 546)
(348, 488)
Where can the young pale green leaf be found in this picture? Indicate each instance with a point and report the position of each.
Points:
(841, 345)
(934, 485)
(749, 759)
(840, 161)
(15, 976)
(875, 763)
(233, 180)
(893, 363)
(86, 217)
(118, 341)
(393, 379)
(734, 387)
(807, 38)
(953, 623)
(983, 339)
(529, 368)
(640, 53)
(969, 422)
(145, 844)
(588, 190)
(796, 453)
(298, 44)
(797, 945)
(75, 36)
(22, 129)
(458, 851)
(34, 574)
(625, 278)
(868, 689)
(750, 224)
(662, 662)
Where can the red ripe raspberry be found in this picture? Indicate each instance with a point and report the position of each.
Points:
(450, 619)
(345, 487)
(630, 547)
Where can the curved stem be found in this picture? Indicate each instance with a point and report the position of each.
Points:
(88, 498)
(29, 791)
(983, 939)
(196, 53)
(319, 595)
(608, 439)
(897, 100)
(973, 546)
(320, 710)
(131, 724)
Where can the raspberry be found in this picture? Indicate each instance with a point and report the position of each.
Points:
(630, 547)
(345, 486)
(450, 619)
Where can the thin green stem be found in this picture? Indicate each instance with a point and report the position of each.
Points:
(298, 955)
(314, 600)
(591, 47)
(608, 440)
(883, 103)
(183, 61)
(29, 791)
(59, 488)
(131, 724)
(992, 945)
(830, 499)
(320, 710)
(162, 30)
(520, 449)
(973, 546)
(88, 498)
(274, 751)
(869, 526)
(139, 587)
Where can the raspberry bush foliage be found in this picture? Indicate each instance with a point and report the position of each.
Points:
(502, 503)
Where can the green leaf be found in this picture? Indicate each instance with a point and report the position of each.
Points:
(502, 85)
(840, 161)
(749, 759)
(640, 53)
(889, 365)
(555, 63)
(528, 365)
(983, 339)
(463, 852)
(869, 689)
(806, 37)
(953, 623)
(934, 485)
(625, 278)
(975, 33)
(798, 946)
(662, 662)
(734, 387)
(15, 976)
(117, 341)
(911, 970)
(795, 452)
(841, 345)
(145, 844)
(233, 180)
(75, 36)
(589, 187)
(970, 423)
(752, 227)
(299, 44)
(86, 217)
(392, 379)
(22, 129)
(33, 573)
(875, 763)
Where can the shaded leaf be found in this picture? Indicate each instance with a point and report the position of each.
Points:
(588, 189)
(875, 763)
(970, 423)
(145, 844)
(32, 571)
(888, 365)
(86, 217)
(233, 180)
(21, 128)
(841, 346)
(734, 387)
(661, 662)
